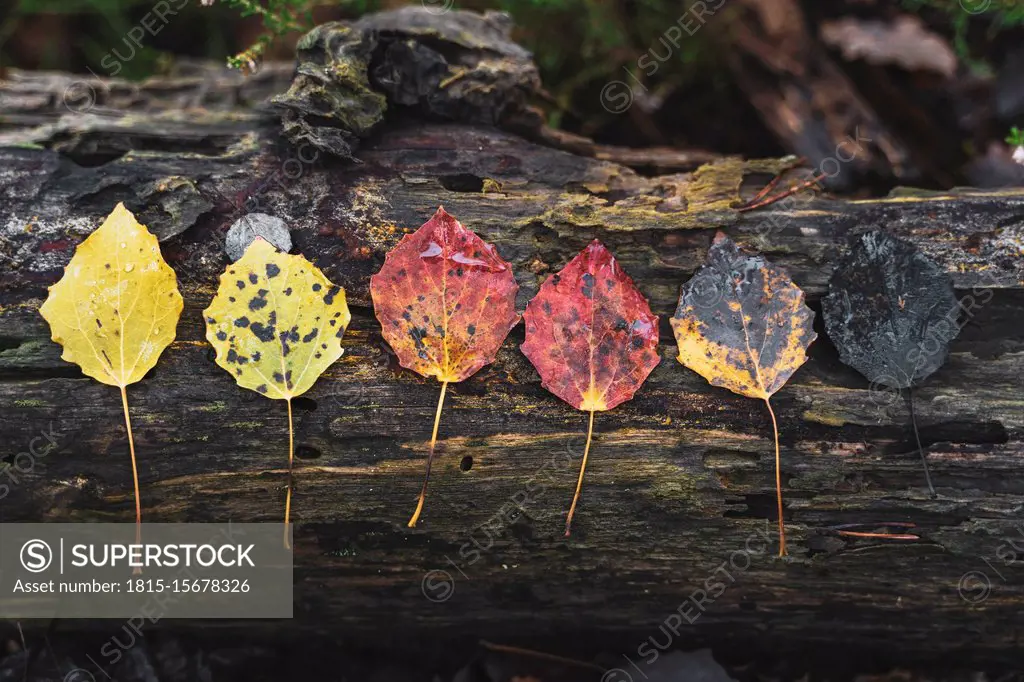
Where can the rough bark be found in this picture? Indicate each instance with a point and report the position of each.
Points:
(680, 479)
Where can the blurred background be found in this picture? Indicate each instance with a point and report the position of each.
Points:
(937, 85)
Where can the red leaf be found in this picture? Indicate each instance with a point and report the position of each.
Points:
(445, 300)
(590, 333)
(592, 337)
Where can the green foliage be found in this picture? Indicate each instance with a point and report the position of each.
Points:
(1001, 14)
(280, 17)
(113, 13)
(581, 45)
(1016, 137)
(110, 21)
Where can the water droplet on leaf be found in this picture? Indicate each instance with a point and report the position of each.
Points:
(432, 251)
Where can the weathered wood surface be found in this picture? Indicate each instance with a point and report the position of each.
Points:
(680, 478)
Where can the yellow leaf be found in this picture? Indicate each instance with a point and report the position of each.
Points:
(117, 306)
(115, 310)
(276, 324)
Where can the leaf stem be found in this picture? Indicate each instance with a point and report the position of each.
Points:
(430, 457)
(519, 651)
(778, 479)
(579, 483)
(887, 536)
(917, 437)
(135, 473)
(291, 458)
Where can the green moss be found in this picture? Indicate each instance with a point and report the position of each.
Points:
(333, 111)
(824, 418)
(245, 425)
(28, 350)
(30, 402)
(341, 553)
(189, 438)
(915, 193)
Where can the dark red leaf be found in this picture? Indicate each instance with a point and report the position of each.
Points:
(590, 333)
(592, 337)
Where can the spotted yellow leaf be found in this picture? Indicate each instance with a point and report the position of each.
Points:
(115, 309)
(276, 324)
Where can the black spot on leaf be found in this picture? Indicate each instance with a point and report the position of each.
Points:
(261, 332)
(588, 285)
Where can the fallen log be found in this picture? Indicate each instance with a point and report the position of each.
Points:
(679, 497)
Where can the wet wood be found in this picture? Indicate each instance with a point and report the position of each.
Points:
(679, 493)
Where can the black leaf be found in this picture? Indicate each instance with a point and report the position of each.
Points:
(890, 311)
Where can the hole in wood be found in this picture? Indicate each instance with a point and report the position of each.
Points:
(304, 404)
(462, 182)
(307, 452)
(467, 463)
(759, 506)
(975, 433)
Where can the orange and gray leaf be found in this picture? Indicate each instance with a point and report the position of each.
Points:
(742, 323)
